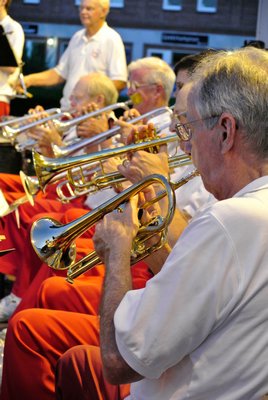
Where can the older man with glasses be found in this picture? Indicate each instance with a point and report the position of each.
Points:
(198, 328)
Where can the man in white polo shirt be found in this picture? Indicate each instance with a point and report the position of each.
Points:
(95, 48)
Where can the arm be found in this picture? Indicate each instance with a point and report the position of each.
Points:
(8, 70)
(113, 242)
(45, 78)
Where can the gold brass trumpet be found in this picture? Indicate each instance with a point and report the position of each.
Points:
(47, 168)
(53, 242)
(62, 151)
(66, 191)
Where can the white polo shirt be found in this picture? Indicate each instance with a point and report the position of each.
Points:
(15, 36)
(103, 52)
(198, 330)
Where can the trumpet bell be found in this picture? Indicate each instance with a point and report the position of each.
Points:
(30, 186)
(56, 256)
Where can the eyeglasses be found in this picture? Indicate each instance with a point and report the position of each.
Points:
(133, 85)
(184, 131)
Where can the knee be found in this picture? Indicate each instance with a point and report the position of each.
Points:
(50, 289)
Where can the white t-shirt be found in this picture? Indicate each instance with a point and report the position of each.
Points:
(198, 330)
(103, 52)
(15, 36)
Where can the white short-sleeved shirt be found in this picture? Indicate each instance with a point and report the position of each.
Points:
(103, 52)
(198, 330)
(15, 36)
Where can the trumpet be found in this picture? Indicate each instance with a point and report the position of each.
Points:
(67, 192)
(63, 126)
(11, 133)
(62, 151)
(18, 120)
(53, 242)
(47, 168)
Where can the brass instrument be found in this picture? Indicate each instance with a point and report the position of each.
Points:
(11, 133)
(54, 242)
(63, 126)
(47, 168)
(18, 120)
(67, 192)
(61, 151)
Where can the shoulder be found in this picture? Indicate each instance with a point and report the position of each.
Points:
(77, 35)
(111, 33)
(11, 23)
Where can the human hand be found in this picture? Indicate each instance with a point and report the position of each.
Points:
(115, 232)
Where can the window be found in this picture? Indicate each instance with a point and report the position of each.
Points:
(113, 3)
(208, 6)
(175, 5)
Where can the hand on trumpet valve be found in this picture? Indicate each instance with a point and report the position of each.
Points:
(117, 230)
(143, 164)
(129, 115)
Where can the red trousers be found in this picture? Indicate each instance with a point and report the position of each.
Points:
(79, 376)
(23, 262)
(36, 338)
(4, 108)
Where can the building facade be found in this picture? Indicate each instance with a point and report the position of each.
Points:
(169, 29)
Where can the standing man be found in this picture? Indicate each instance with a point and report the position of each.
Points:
(96, 48)
(15, 36)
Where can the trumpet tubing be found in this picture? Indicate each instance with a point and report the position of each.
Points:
(18, 120)
(54, 242)
(92, 259)
(63, 151)
(65, 125)
(98, 182)
(11, 133)
(47, 168)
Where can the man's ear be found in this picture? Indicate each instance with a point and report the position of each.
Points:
(228, 127)
(100, 100)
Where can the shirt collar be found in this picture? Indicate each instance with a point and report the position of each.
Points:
(257, 184)
(98, 35)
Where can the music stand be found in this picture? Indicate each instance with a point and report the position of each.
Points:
(7, 56)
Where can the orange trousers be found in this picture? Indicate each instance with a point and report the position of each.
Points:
(79, 376)
(36, 338)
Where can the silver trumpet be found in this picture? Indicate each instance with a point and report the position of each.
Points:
(62, 151)
(18, 120)
(54, 242)
(63, 126)
(11, 133)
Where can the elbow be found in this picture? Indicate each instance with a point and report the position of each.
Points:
(116, 371)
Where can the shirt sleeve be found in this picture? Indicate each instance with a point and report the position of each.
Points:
(62, 68)
(156, 327)
(117, 69)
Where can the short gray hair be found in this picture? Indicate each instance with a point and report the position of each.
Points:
(236, 82)
(158, 71)
(98, 83)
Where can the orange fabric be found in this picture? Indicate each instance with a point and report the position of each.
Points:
(79, 375)
(4, 108)
(34, 342)
(38, 337)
